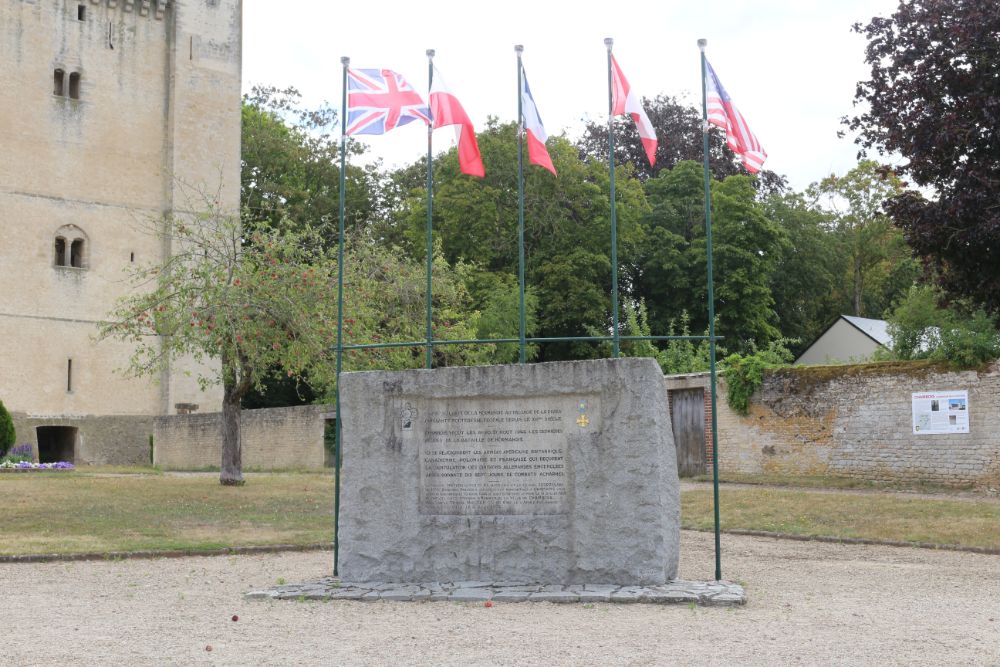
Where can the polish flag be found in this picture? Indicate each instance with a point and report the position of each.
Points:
(625, 100)
(535, 131)
(447, 110)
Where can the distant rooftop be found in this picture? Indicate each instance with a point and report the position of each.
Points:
(878, 330)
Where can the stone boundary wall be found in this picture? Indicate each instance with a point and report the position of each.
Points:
(856, 421)
(101, 440)
(273, 439)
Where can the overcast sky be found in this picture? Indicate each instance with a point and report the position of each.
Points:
(790, 65)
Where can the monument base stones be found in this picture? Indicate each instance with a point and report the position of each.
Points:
(559, 473)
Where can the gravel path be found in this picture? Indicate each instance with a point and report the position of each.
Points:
(810, 603)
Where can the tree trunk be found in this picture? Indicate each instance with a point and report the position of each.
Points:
(858, 288)
(232, 446)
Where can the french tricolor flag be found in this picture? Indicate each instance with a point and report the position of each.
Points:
(534, 130)
(624, 100)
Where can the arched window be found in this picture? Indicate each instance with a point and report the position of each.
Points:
(74, 86)
(58, 81)
(76, 254)
(60, 251)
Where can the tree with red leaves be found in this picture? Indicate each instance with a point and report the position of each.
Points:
(934, 98)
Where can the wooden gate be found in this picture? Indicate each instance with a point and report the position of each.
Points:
(687, 416)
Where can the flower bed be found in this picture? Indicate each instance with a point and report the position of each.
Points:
(29, 466)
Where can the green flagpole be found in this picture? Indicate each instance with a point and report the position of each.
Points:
(345, 61)
(702, 43)
(430, 216)
(520, 204)
(608, 42)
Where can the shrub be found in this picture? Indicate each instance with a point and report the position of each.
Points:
(7, 435)
(745, 373)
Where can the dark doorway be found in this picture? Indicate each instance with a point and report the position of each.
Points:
(56, 443)
(687, 417)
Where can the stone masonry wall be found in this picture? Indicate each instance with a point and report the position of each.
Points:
(101, 440)
(856, 421)
(273, 439)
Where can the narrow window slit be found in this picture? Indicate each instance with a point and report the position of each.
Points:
(74, 85)
(58, 78)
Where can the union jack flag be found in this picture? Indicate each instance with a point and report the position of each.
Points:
(722, 112)
(381, 100)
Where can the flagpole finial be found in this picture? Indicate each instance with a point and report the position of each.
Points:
(608, 42)
(430, 53)
(702, 43)
(345, 61)
(519, 49)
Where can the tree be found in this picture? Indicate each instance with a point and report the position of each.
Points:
(672, 256)
(879, 268)
(240, 309)
(7, 434)
(807, 283)
(290, 166)
(567, 232)
(934, 98)
(678, 127)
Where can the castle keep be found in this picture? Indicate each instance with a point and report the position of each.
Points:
(113, 114)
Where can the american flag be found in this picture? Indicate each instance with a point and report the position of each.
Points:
(379, 100)
(722, 112)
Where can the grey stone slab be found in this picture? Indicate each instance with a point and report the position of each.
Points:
(348, 594)
(601, 588)
(472, 584)
(595, 596)
(554, 596)
(671, 597)
(370, 596)
(471, 594)
(511, 596)
(259, 595)
(593, 430)
(626, 596)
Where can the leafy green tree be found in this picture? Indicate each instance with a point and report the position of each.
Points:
(806, 286)
(672, 259)
(959, 334)
(241, 309)
(567, 230)
(932, 98)
(879, 266)
(7, 434)
(291, 166)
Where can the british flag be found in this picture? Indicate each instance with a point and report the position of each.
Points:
(379, 100)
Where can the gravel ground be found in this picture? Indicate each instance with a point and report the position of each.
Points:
(810, 603)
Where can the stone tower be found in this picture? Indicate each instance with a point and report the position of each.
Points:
(113, 113)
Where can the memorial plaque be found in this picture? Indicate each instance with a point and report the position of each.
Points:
(555, 472)
(503, 457)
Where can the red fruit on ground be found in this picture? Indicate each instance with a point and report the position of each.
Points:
(209, 648)
(488, 603)
(235, 618)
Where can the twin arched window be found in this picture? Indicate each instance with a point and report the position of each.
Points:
(71, 247)
(59, 84)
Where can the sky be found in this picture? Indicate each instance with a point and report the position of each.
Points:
(790, 66)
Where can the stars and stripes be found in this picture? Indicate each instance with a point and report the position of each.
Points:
(723, 113)
(379, 100)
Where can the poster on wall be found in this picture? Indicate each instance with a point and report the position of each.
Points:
(936, 412)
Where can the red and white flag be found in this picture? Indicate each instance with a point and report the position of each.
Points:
(625, 100)
(722, 112)
(447, 110)
(535, 131)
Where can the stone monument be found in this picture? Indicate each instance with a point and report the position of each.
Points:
(556, 473)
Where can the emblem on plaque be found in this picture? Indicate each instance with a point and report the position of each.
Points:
(583, 421)
(407, 415)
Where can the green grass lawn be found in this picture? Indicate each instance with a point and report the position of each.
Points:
(886, 516)
(93, 511)
(105, 510)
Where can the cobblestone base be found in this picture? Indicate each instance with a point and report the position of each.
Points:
(703, 593)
